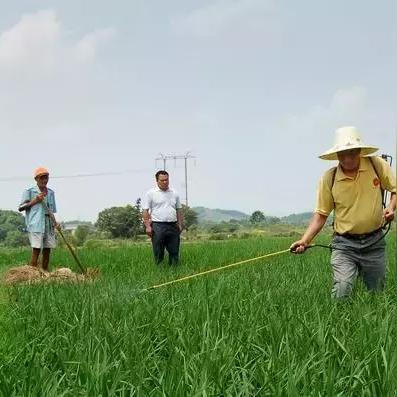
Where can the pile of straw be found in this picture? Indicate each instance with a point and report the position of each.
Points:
(29, 274)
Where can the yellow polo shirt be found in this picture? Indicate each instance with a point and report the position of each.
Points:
(357, 202)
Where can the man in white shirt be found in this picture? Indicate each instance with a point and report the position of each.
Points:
(163, 218)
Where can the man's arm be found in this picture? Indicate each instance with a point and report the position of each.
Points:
(27, 204)
(147, 220)
(316, 224)
(54, 205)
(179, 218)
(391, 208)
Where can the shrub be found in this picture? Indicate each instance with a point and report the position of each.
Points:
(245, 235)
(218, 236)
(15, 238)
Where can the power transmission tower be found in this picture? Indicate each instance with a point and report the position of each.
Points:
(163, 158)
(183, 157)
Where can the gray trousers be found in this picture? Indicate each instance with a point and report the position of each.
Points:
(354, 258)
(166, 236)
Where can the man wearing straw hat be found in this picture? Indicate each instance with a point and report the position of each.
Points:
(353, 191)
(38, 221)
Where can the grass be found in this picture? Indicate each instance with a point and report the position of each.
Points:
(268, 328)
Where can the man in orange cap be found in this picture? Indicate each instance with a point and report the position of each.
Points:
(39, 202)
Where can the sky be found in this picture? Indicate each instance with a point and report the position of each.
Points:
(253, 89)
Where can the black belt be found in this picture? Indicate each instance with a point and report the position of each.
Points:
(359, 236)
(164, 223)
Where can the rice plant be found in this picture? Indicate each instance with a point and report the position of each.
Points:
(268, 328)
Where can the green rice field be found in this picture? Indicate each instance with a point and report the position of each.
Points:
(268, 328)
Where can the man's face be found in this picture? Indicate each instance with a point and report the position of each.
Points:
(349, 159)
(42, 180)
(163, 182)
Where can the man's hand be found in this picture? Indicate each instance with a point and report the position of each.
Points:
(149, 231)
(58, 226)
(180, 227)
(298, 247)
(39, 198)
(24, 206)
(388, 214)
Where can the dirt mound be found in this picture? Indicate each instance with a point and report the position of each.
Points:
(30, 274)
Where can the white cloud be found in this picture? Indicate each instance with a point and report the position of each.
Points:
(347, 107)
(37, 42)
(236, 17)
(299, 138)
(86, 48)
(34, 39)
(48, 80)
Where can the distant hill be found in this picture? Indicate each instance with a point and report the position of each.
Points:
(72, 225)
(302, 218)
(218, 215)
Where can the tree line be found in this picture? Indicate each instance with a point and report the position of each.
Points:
(115, 222)
(125, 222)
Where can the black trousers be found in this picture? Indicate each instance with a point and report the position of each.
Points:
(166, 235)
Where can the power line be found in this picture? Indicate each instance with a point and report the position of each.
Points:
(88, 175)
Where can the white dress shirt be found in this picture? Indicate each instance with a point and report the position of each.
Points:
(162, 205)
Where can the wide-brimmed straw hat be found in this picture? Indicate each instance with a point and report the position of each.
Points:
(347, 138)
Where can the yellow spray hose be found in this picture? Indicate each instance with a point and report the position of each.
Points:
(178, 280)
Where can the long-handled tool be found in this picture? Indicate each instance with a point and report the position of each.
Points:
(59, 230)
(72, 251)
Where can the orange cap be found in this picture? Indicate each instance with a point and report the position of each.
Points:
(40, 171)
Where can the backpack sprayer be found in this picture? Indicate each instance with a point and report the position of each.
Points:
(385, 194)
